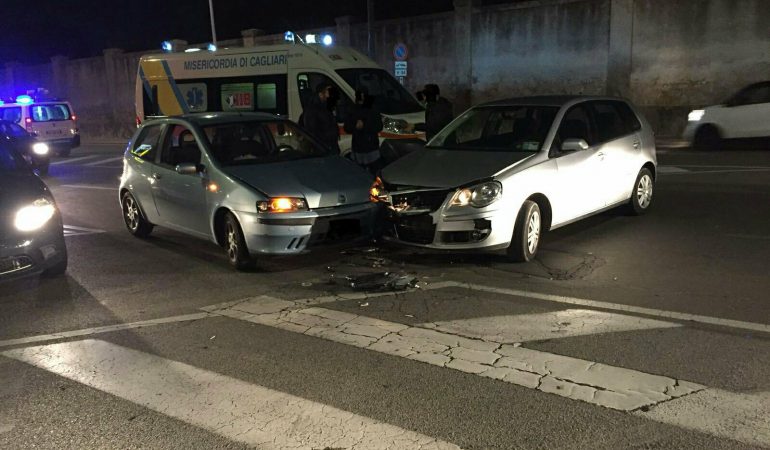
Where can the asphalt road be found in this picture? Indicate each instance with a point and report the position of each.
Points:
(627, 332)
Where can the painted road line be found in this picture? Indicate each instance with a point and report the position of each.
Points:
(599, 384)
(552, 325)
(104, 161)
(72, 160)
(86, 186)
(235, 409)
(665, 170)
(102, 329)
(71, 230)
(740, 417)
(618, 307)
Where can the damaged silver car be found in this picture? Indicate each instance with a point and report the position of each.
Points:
(253, 183)
(503, 173)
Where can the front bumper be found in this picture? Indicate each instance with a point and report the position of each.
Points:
(295, 233)
(32, 254)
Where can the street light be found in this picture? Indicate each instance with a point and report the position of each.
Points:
(213, 28)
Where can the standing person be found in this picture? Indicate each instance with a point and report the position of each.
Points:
(438, 111)
(364, 123)
(319, 120)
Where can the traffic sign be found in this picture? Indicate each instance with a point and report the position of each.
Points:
(400, 68)
(400, 52)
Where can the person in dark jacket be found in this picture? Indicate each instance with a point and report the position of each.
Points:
(364, 123)
(318, 118)
(438, 111)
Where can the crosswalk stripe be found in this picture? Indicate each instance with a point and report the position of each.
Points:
(612, 387)
(232, 408)
(104, 161)
(72, 160)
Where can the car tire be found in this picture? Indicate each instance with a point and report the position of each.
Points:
(643, 193)
(707, 138)
(133, 217)
(57, 269)
(527, 233)
(235, 244)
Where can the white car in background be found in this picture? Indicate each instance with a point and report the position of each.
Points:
(745, 116)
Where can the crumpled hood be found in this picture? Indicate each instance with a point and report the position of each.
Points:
(439, 168)
(323, 182)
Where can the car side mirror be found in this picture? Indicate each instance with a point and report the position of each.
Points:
(574, 145)
(188, 169)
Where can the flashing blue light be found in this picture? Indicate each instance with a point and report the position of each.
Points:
(24, 99)
(212, 47)
(288, 36)
(167, 46)
(2, 102)
(327, 40)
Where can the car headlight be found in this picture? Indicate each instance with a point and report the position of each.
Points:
(696, 116)
(282, 205)
(478, 196)
(395, 126)
(40, 148)
(34, 216)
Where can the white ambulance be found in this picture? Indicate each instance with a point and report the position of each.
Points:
(278, 79)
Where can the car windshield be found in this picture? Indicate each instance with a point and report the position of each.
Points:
(11, 161)
(260, 142)
(498, 128)
(12, 130)
(389, 95)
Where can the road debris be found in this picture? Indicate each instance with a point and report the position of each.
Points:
(383, 281)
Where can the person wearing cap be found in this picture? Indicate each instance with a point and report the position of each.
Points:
(318, 118)
(364, 123)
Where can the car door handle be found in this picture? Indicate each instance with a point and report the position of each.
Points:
(600, 155)
(157, 176)
(636, 145)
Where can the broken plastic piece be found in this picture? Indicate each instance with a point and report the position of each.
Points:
(384, 281)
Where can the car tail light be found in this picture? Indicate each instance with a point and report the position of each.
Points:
(28, 120)
(138, 121)
(74, 117)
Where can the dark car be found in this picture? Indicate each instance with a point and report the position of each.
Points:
(26, 144)
(31, 230)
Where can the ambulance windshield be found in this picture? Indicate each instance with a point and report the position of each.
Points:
(390, 97)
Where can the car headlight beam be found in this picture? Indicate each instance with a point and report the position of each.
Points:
(34, 216)
(478, 196)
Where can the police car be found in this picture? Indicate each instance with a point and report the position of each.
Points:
(53, 121)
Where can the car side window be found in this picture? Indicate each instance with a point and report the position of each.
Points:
(614, 120)
(180, 147)
(576, 124)
(146, 145)
(753, 95)
(306, 85)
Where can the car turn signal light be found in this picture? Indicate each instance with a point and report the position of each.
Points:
(282, 205)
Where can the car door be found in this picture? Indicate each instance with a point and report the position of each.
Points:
(181, 199)
(581, 176)
(619, 141)
(746, 115)
(142, 164)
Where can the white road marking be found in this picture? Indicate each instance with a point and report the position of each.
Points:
(551, 325)
(104, 161)
(235, 409)
(102, 329)
(72, 160)
(71, 230)
(86, 186)
(599, 384)
(618, 307)
(741, 417)
(671, 169)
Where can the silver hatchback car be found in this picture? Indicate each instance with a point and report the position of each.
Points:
(253, 183)
(503, 173)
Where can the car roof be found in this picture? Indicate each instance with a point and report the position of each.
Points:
(547, 100)
(213, 118)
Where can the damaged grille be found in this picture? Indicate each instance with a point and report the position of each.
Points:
(416, 229)
(419, 200)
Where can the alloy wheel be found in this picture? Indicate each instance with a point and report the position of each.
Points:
(644, 191)
(533, 232)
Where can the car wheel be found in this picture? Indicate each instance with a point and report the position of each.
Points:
(57, 269)
(65, 152)
(643, 193)
(133, 217)
(526, 234)
(235, 244)
(707, 138)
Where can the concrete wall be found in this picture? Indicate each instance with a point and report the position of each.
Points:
(667, 56)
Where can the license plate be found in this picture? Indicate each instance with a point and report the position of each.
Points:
(54, 132)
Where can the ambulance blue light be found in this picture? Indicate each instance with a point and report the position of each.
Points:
(327, 39)
(24, 99)
(167, 46)
(211, 47)
(288, 36)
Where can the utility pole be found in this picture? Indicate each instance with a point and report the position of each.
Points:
(213, 28)
(369, 25)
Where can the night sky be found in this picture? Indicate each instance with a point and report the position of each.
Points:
(33, 31)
